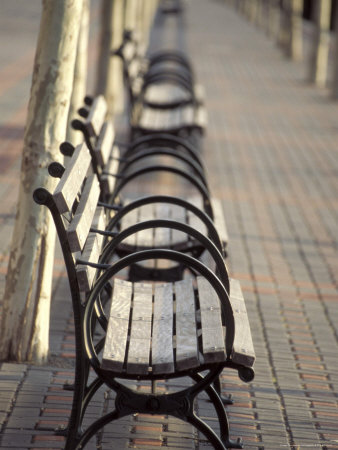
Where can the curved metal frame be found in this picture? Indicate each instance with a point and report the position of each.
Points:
(167, 139)
(153, 75)
(122, 182)
(183, 398)
(176, 55)
(170, 55)
(205, 218)
(43, 197)
(144, 255)
(163, 144)
(204, 240)
(169, 76)
(167, 151)
(176, 130)
(86, 318)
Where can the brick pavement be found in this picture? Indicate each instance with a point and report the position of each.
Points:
(272, 159)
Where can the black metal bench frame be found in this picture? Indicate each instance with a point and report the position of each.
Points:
(89, 313)
(149, 70)
(93, 242)
(93, 128)
(149, 73)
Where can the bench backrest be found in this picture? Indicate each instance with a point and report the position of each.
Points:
(73, 205)
(133, 67)
(99, 135)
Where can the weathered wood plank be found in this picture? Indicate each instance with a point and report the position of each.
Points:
(219, 220)
(104, 143)
(213, 343)
(146, 118)
(188, 113)
(138, 359)
(145, 237)
(117, 332)
(108, 181)
(165, 93)
(162, 235)
(199, 92)
(79, 227)
(243, 349)
(178, 214)
(201, 117)
(91, 252)
(162, 339)
(128, 220)
(96, 116)
(186, 334)
(72, 179)
(193, 220)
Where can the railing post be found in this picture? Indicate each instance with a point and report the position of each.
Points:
(273, 18)
(284, 25)
(320, 47)
(334, 86)
(296, 30)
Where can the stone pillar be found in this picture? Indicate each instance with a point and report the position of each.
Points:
(320, 47)
(296, 30)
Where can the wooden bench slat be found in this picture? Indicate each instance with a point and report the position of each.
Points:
(165, 93)
(141, 334)
(91, 252)
(188, 115)
(79, 227)
(201, 117)
(104, 142)
(199, 92)
(219, 220)
(107, 180)
(186, 336)
(138, 359)
(145, 237)
(193, 220)
(213, 342)
(179, 214)
(134, 70)
(114, 351)
(145, 119)
(243, 350)
(72, 179)
(162, 339)
(162, 235)
(128, 220)
(96, 117)
(176, 119)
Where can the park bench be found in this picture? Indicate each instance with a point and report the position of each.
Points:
(163, 95)
(170, 7)
(201, 211)
(149, 331)
(145, 75)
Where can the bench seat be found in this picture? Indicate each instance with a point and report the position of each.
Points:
(163, 70)
(163, 329)
(193, 327)
(157, 95)
(152, 120)
(166, 238)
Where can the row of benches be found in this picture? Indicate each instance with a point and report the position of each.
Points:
(145, 305)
